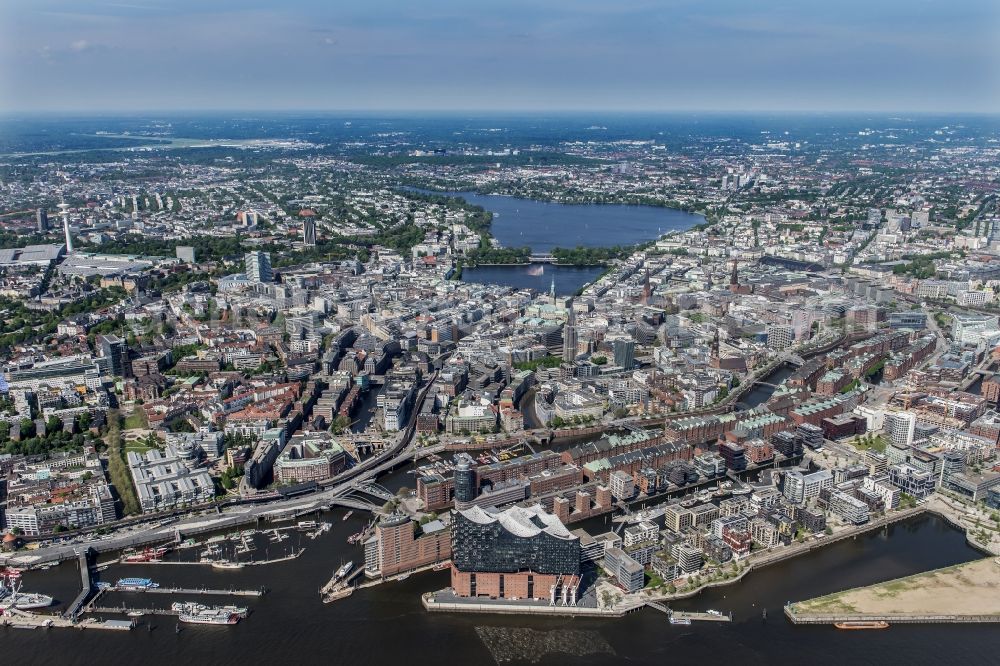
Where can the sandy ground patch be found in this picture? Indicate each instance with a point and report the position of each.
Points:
(966, 589)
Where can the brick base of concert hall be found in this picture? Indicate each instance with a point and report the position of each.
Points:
(521, 585)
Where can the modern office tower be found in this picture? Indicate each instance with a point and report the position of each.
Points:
(186, 253)
(900, 426)
(465, 482)
(42, 217)
(569, 335)
(115, 350)
(624, 352)
(258, 266)
(309, 231)
(64, 211)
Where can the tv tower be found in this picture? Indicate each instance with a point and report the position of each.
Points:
(64, 211)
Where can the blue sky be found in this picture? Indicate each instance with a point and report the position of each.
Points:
(888, 55)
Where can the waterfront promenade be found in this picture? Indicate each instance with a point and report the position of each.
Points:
(627, 603)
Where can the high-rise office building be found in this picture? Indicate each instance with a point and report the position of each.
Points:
(900, 427)
(115, 350)
(42, 218)
(258, 266)
(569, 335)
(249, 218)
(624, 352)
(465, 482)
(309, 231)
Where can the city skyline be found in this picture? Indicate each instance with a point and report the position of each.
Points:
(659, 316)
(99, 56)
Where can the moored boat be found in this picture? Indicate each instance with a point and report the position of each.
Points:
(11, 596)
(226, 564)
(209, 616)
(136, 584)
(239, 611)
(862, 624)
(343, 571)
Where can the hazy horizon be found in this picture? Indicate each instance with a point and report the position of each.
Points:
(516, 56)
(494, 113)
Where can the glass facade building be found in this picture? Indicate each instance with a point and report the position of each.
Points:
(515, 540)
(465, 482)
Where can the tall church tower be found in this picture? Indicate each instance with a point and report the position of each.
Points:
(569, 335)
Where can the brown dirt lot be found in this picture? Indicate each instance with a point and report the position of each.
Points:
(965, 589)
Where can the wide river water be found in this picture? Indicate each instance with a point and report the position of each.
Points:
(387, 625)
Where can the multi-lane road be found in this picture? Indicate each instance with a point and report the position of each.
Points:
(336, 492)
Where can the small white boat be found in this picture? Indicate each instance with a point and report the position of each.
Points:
(226, 564)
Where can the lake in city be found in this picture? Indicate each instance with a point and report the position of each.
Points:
(543, 225)
(387, 624)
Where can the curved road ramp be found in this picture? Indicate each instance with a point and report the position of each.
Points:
(967, 592)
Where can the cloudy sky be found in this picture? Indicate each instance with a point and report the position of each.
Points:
(888, 55)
